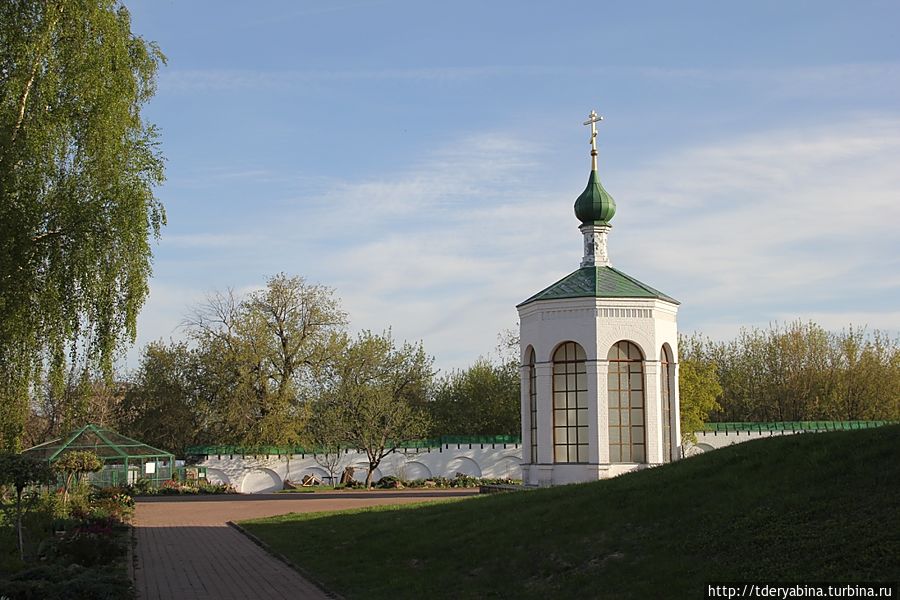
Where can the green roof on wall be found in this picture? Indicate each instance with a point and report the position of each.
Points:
(598, 282)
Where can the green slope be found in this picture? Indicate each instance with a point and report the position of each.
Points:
(811, 507)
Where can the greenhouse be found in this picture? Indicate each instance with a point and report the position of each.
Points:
(124, 460)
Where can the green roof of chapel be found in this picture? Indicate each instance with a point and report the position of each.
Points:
(598, 282)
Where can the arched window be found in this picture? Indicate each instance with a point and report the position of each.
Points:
(570, 421)
(532, 404)
(667, 380)
(626, 404)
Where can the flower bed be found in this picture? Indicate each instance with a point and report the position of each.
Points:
(76, 548)
(174, 487)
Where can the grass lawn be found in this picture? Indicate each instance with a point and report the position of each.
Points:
(811, 507)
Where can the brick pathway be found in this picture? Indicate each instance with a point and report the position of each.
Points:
(186, 551)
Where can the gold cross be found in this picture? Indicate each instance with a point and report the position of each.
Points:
(593, 119)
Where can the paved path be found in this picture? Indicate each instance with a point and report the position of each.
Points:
(186, 551)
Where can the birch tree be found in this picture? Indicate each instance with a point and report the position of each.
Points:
(78, 165)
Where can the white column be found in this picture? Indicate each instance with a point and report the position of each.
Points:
(593, 398)
(545, 412)
(652, 413)
(525, 413)
(676, 416)
(603, 411)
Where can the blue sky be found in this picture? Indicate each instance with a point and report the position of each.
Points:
(422, 158)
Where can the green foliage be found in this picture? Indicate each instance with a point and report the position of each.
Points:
(480, 400)
(73, 464)
(325, 431)
(77, 170)
(68, 582)
(801, 372)
(88, 545)
(78, 462)
(377, 390)
(83, 397)
(247, 373)
(10, 559)
(460, 481)
(112, 503)
(698, 388)
(19, 471)
(172, 487)
(80, 545)
(141, 487)
(162, 408)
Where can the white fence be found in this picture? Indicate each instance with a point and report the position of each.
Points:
(260, 474)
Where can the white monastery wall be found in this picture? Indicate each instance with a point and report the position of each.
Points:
(712, 440)
(261, 474)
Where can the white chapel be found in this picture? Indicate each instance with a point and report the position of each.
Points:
(599, 363)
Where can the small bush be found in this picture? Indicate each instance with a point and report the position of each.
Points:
(9, 553)
(67, 582)
(141, 487)
(173, 487)
(389, 482)
(206, 487)
(92, 543)
(111, 503)
(460, 481)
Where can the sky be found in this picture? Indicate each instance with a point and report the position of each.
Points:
(422, 159)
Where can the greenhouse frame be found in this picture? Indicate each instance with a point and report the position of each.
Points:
(125, 460)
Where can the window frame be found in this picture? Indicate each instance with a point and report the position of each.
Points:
(667, 399)
(569, 403)
(626, 418)
(532, 404)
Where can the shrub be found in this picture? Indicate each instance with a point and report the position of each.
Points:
(67, 582)
(74, 464)
(141, 487)
(10, 562)
(172, 487)
(460, 481)
(112, 502)
(204, 487)
(79, 501)
(89, 545)
(52, 504)
(19, 471)
(389, 482)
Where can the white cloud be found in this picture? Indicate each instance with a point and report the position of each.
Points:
(784, 224)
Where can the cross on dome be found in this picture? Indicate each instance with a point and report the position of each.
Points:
(594, 206)
(593, 119)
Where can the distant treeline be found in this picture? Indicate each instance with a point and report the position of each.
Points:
(801, 372)
(277, 367)
(249, 375)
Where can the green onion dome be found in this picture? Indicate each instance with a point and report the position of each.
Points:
(595, 206)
